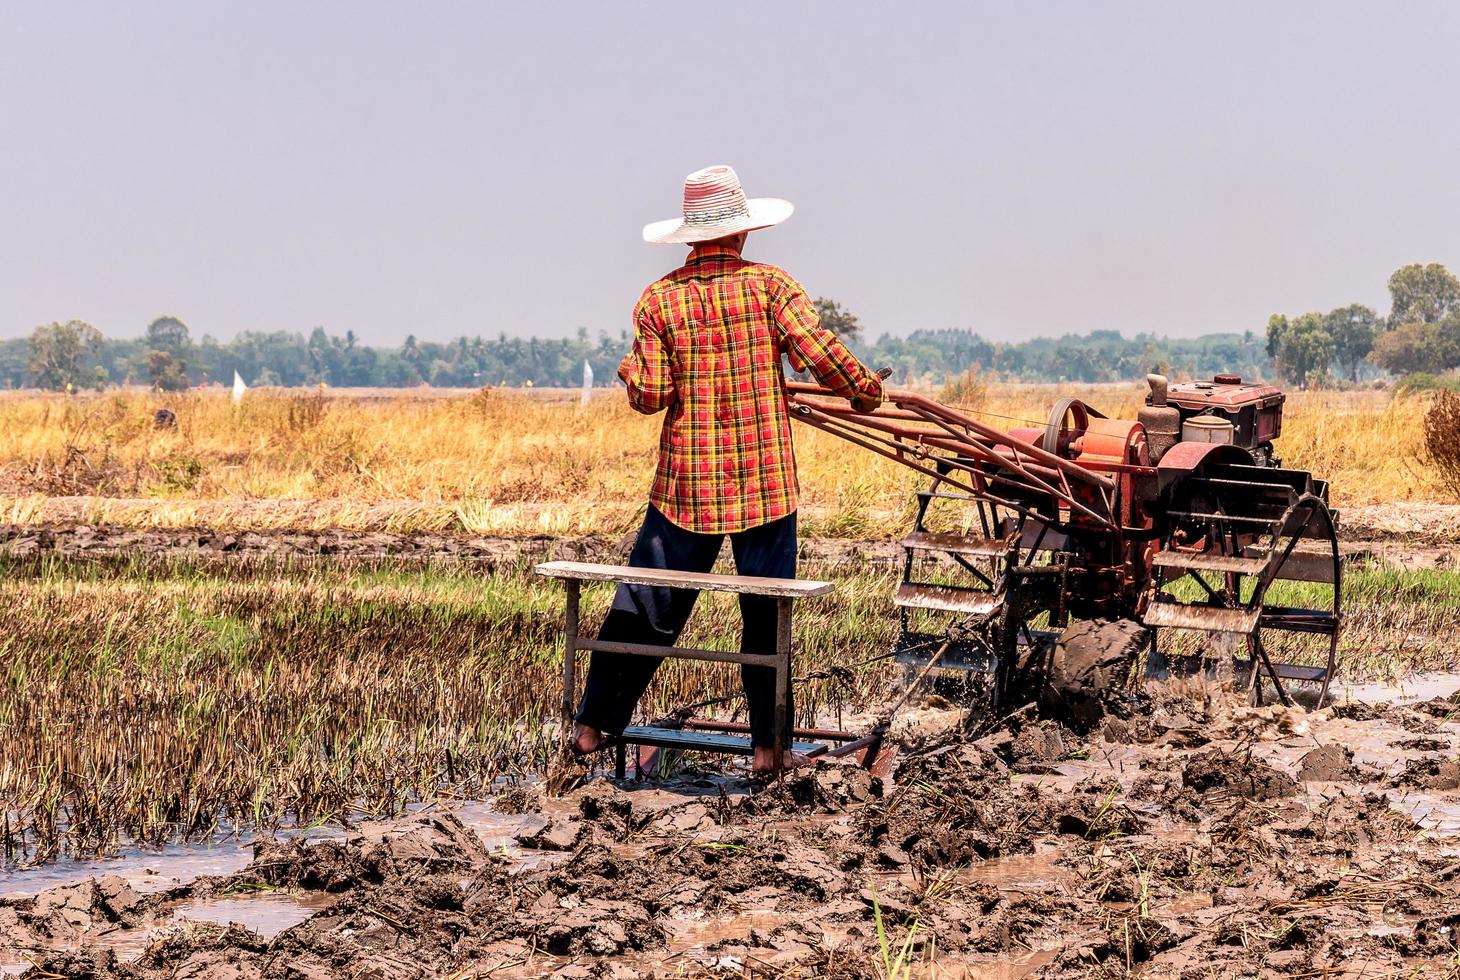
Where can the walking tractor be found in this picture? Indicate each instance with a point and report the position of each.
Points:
(1045, 559)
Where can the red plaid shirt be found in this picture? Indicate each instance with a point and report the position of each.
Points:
(708, 340)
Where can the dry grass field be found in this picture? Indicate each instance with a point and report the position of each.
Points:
(158, 700)
(524, 463)
(152, 697)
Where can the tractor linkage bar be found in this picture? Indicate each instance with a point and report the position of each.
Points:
(934, 439)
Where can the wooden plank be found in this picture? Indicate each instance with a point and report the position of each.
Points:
(791, 588)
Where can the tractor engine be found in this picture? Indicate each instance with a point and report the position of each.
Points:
(1223, 410)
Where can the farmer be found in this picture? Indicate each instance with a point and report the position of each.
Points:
(708, 340)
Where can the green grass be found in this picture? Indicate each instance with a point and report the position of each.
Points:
(164, 698)
(1394, 620)
(158, 698)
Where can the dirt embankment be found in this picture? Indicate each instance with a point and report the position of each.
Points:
(1191, 839)
(1384, 541)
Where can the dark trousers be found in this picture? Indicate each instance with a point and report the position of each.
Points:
(656, 615)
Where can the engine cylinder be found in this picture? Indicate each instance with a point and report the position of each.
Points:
(1162, 421)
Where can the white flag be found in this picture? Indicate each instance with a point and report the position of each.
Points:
(238, 388)
(587, 382)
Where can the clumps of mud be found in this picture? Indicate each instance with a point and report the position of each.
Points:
(1328, 764)
(69, 912)
(1191, 840)
(1417, 719)
(1430, 773)
(1218, 773)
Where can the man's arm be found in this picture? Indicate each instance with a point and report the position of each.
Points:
(645, 369)
(813, 347)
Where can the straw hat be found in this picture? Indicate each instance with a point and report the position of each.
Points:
(716, 206)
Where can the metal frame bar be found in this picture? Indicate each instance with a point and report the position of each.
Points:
(1279, 541)
(916, 428)
(779, 661)
(679, 653)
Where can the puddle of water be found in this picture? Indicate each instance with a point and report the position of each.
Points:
(495, 829)
(1435, 813)
(146, 871)
(1022, 872)
(151, 870)
(1184, 904)
(691, 936)
(1418, 687)
(267, 915)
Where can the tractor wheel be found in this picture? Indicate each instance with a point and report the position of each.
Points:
(1092, 660)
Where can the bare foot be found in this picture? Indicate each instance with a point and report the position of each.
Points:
(763, 762)
(586, 739)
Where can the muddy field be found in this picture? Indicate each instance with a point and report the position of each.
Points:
(1184, 836)
(1190, 838)
(1396, 538)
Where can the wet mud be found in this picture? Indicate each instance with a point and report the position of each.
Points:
(1196, 838)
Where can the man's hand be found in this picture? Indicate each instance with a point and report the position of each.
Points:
(626, 366)
(870, 403)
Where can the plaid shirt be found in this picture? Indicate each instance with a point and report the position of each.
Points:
(708, 340)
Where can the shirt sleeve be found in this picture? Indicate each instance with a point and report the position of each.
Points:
(810, 346)
(645, 371)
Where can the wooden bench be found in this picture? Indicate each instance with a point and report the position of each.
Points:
(691, 735)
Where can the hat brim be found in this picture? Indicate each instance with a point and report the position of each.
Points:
(763, 212)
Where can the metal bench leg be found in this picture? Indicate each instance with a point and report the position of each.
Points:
(783, 719)
(620, 758)
(570, 651)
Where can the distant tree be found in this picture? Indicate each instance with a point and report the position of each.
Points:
(167, 343)
(838, 319)
(1422, 294)
(60, 354)
(14, 358)
(410, 352)
(170, 334)
(1301, 348)
(1352, 330)
(321, 357)
(167, 371)
(1427, 348)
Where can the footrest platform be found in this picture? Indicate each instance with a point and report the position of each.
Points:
(693, 741)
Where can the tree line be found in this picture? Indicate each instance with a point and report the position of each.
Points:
(1420, 334)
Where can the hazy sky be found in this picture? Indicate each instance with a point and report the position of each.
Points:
(444, 168)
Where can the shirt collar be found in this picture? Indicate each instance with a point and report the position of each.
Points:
(712, 253)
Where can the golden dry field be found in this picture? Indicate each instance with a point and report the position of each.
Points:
(527, 463)
(161, 694)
